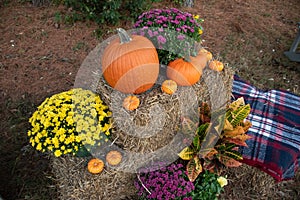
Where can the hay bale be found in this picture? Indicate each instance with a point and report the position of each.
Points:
(155, 122)
(75, 182)
(148, 134)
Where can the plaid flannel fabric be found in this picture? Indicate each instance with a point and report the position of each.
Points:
(275, 117)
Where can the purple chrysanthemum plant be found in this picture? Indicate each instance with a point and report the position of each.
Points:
(172, 31)
(166, 183)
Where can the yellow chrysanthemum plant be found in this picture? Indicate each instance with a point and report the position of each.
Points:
(69, 122)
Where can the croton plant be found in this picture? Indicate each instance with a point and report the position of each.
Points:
(224, 152)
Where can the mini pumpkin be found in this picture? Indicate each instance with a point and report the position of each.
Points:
(95, 166)
(169, 86)
(131, 102)
(188, 71)
(208, 54)
(216, 65)
(113, 157)
(130, 64)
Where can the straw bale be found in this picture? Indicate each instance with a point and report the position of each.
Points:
(154, 123)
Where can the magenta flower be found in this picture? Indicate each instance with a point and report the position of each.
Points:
(149, 23)
(161, 39)
(164, 184)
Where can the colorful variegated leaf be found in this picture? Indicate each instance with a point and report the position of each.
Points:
(236, 141)
(187, 153)
(196, 142)
(239, 130)
(237, 116)
(188, 126)
(204, 113)
(211, 154)
(246, 125)
(227, 126)
(202, 130)
(194, 168)
(237, 103)
(229, 162)
(242, 137)
(234, 154)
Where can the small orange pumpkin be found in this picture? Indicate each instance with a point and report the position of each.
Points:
(95, 166)
(131, 102)
(113, 157)
(216, 65)
(208, 54)
(130, 64)
(188, 71)
(169, 86)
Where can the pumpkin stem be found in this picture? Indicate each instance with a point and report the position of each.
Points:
(123, 35)
(187, 56)
(187, 53)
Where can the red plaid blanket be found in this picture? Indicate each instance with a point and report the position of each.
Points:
(275, 117)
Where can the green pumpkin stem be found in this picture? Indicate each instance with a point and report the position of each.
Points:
(123, 35)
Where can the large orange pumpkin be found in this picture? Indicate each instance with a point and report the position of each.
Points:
(130, 64)
(188, 71)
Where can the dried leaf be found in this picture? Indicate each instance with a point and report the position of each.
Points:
(194, 168)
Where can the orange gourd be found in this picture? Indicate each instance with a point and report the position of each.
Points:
(113, 157)
(188, 71)
(216, 65)
(169, 86)
(95, 166)
(131, 102)
(208, 54)
(130, 64)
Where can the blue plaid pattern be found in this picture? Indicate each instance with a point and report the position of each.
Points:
(275, 117)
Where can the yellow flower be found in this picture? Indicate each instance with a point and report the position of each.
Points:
(50, 148)
(60, 119)
(55, 142)
(200, 31)
(222, 181)
(57, 153)
(61, 131)
(48, 140)
(196, 16)
(39, 147)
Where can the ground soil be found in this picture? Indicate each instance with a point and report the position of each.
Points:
(40, 56)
